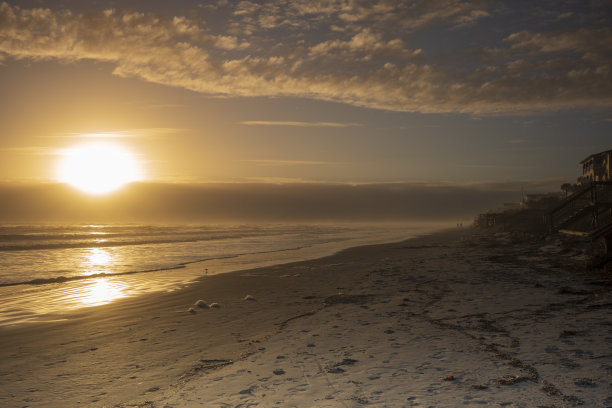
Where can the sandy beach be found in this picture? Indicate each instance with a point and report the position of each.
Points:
(339, 203)
(455, 318)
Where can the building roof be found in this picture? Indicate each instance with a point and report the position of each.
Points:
(596, 154)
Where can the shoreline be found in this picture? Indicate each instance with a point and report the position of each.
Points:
(324, 315)
(29, 302)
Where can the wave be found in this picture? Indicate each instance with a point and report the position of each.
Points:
(114, 234)
(94, 244)
(64, 279)
(103, 242)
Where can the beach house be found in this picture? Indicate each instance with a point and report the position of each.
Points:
(596, 167)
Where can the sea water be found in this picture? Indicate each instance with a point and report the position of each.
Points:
(47, 270)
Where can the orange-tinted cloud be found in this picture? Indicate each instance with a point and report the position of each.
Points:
(360, 55)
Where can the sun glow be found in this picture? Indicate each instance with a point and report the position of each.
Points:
(98, 167)
(101, 291)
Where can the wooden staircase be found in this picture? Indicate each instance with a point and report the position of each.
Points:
(585, 211)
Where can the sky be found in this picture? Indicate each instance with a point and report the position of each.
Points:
(435, 92)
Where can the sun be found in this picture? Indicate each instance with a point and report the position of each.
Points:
(98, 167)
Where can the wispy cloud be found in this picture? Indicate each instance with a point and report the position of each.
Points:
(164, 105)
(276, 163)
(480, 166)
(298, 124)
(120, 134)
(582, 40)
(96, 135)
(35, 150)
(158, 131)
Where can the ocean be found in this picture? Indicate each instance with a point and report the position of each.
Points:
(48, 270)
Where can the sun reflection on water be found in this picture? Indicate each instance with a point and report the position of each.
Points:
(98, 260)
(101, 291)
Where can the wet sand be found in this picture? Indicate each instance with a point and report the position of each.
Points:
(454, 318)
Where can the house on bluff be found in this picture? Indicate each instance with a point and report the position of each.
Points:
(596, 167)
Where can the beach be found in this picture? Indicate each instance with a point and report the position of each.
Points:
(455, 318)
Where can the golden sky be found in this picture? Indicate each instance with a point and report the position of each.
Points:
(323, 91)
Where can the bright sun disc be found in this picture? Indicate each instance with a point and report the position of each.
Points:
(98, 168)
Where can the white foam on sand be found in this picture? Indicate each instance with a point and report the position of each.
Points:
(201, 303)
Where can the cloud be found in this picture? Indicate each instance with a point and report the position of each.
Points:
(352, 52)
(157, 131)
(35, 150)
(276, 163)
(163, 105)
(580, 41)
(121, 134)
(455, 12)
(365, 43)
(228, 42)
(298, 124)
(412, 15)
(563, 16)
(481, 166)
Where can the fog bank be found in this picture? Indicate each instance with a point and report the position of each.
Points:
(234, 202)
